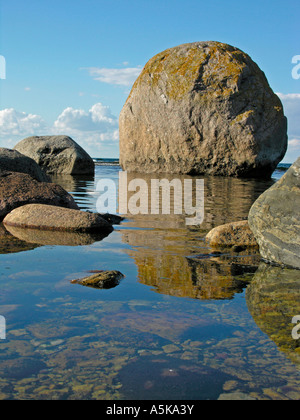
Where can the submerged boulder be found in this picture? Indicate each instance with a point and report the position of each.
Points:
(57, 155)
(12, 160)
(202, 108)
(275, 220)
(45, 217)
(18, 189)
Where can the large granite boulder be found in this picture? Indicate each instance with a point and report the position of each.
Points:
(57, 155)
(12, 160)
(202, 108)
(275, 220)
(46, 217)
(18, 189)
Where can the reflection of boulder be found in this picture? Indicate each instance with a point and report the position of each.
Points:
(273, 299)
(160, 244)
(10, 244)
(43, 237)
(208, 278)
(225, 200)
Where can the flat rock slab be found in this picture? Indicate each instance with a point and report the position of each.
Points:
(18, 189)
(39, 216)
(101, 280)
(232, 234)
(275, 220)
(12, 160)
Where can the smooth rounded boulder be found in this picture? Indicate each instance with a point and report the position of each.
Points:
(12, 160)
(202, 108)
(45, 217)
(275, 220)
(236, 234)
(57, 155)
(18, 189)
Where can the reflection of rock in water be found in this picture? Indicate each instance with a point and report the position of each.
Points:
(81, 187)
(160, 244)
(10, 244)
(273, 299)
(42, 237)
(150, 378)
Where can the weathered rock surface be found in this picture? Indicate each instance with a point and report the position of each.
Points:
(101, 280)
(45, 217)
(232, 234)
(18, 189)
(12, 160)
(57, 155)
(275, 220)
(203, 107)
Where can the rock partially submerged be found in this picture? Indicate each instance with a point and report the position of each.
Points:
(202, 108)
(275, 220)
(101, 280)
(45, 217)
(12, 160)
(237, 234)
(18, 189)
(57, 155)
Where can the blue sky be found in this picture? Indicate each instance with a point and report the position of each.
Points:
(70, 64)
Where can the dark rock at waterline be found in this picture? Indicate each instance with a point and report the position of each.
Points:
(52, 218)
(57, 155)
(10, 244)
(101, 280)
(12, 160)
(18, 189)
(202, 108)
(275, 220)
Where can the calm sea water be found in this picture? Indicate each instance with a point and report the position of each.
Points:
(186, 323)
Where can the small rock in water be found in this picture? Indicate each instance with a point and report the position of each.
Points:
(101, 280)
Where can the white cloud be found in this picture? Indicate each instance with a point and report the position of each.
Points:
(123, 77)
(15, 123)
(95, 130)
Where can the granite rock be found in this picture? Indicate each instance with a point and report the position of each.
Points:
(202, 108)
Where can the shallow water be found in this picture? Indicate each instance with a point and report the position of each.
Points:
(186, 322)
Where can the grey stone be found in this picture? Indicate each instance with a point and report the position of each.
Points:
(57, 155)
(45, 217)
(12, 160)
(202, 108)
(275, 220)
